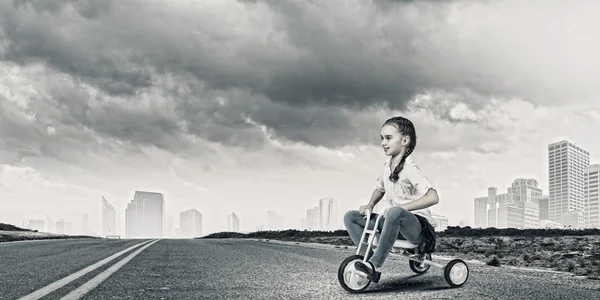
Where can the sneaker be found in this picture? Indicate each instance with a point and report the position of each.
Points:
(372, 275)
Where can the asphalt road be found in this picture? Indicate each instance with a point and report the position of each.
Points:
(247, 269)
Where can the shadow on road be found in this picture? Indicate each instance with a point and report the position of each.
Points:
(409, 283)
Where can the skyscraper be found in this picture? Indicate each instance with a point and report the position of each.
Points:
(566, 165)
(527, 198)
(108, 218)
(190, 223)
(544, 207)
(233, 223)
(526, 190)
(37, 224)
(63, 227)
(492, 207)
(480, 212)
(328, 217)
(517, 208)
(50, 226)
(144, 216)
(592, 200)
(274, 221)
(442, 222)
(85, 225)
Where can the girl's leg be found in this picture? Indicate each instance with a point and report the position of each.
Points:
(355, 224)
(398, 221)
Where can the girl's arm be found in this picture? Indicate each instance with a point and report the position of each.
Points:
(379, 190)
(429, 199)
(423, 186)
(375, 198)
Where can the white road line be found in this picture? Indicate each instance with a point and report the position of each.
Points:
(66, 280)
(94, 282)
(10, 243)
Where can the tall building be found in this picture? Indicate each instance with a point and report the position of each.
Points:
(109, 225)
(328, 214)
(480, 210)
(526, 190)
(492, 207)
(509, 215)
(324, 216)
(498, 212)
(505, 198)
(190, 224)
(274, 221)
(566, 166)
(494, 202)
(50, 226)
(144, 215)
(442, 222)
(544, 223)
(63, 227)
(85, 225)
(527, 197)
(573, 219)
(517, 208)
(592, 200)
(311, 222)
(530, 214)
(492, 193)
(132, 227)
(543, 207)
(233, 223)
(37, 224)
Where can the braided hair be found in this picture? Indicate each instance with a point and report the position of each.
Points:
(406, 127)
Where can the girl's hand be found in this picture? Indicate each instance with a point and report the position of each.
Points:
(362, 209)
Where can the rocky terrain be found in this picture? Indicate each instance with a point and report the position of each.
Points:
(10, 233)
(577, 252)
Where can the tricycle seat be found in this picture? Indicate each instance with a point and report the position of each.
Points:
(403, 244)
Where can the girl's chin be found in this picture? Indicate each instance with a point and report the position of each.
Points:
(392, 154)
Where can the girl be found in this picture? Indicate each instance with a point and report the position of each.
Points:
(408, 194)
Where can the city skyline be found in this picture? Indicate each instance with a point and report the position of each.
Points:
(572, 199)
(523, 205)
(262, 224)
(255, 111)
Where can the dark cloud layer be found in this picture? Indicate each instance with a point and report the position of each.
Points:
(307, 70)
(297, 55)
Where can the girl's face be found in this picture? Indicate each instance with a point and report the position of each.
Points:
(392, 141)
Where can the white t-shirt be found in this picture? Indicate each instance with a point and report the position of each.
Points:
(411, 185)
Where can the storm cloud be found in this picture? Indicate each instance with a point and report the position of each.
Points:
(164, 73)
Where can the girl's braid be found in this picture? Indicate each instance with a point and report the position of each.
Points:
(406, 127)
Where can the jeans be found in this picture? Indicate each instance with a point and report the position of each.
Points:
(399, 224)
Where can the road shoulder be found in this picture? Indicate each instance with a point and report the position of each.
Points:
(444, 258)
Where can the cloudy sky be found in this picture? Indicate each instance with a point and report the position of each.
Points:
(249, 106)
